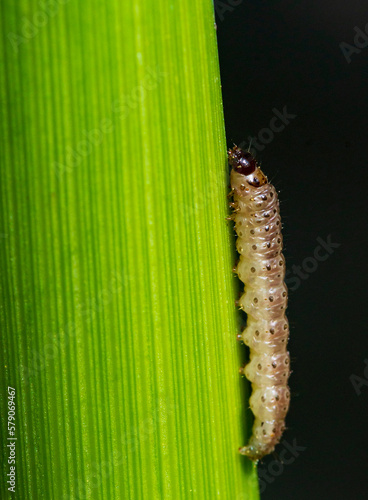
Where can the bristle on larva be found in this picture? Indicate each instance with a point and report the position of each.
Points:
(261, 268)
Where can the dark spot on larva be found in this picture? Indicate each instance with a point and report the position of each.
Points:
(259, 366)
(268, 245)
(262, 424)
(252, 231)
(271, 194)
(259, 205)
(277, 398)
(274, 365)
(284, 294)
(282, 307)
(274, 429)
(284, 409)
(254, 247)
(257, 332)
(253, 269)
(240, 223)
(277, 223)
(283, 340)
(242, 187)
(284, 375)
(285, 326)
(278, 240)
(280, 263)
(255, 300)
(272, 331)
(240, 233)
(264, 432)
(264, 197)
(270, 298)
(266, 214)
(268, 267)
(274, 210)
(263, 399)
(267, 228)
(255, 181)
(286, 361)
(288, 395)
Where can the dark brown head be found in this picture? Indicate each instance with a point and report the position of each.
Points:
(243, 163)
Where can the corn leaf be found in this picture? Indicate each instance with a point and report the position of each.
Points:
(117, 297)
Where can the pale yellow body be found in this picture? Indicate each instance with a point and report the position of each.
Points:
(262, 269)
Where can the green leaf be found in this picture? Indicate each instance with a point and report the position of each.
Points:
(117, 295)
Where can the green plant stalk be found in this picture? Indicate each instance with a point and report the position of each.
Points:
(117, 297)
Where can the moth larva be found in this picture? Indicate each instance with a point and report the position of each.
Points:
(261, 267)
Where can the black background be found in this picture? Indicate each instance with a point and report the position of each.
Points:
(288, 53)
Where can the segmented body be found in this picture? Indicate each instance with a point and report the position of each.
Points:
(262, 269)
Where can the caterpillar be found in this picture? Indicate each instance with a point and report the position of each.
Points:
(261, 268)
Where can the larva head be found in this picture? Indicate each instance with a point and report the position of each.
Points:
(243, 163)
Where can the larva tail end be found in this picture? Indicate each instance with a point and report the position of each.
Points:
(251, 453)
